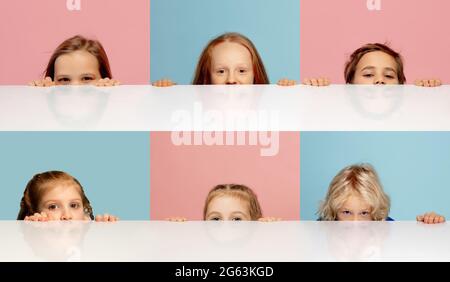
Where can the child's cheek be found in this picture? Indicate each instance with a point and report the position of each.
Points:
(79, 216)
(53, 216)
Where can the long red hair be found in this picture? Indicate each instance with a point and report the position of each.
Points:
(203, 70)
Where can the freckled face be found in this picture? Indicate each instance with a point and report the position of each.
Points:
(231, 63)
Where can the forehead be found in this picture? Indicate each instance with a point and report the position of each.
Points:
(230, 52)
(355, 201)
(79, 60)
(61, 189)
(227, 203)
(377, 59)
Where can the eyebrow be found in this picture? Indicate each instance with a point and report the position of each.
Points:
(212, 213)
(390, 69)
(67, 75)
(348, 209)
(218, 213)
(372, 68)
(368, 68)
(58, 201)
(239, 65)
(238, 212)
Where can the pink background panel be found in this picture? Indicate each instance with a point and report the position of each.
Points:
(181, 176)
(331, 30)
(31, 30)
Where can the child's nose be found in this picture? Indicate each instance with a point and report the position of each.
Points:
(380, 80)
(66, 215)
(353, 217)
(231, 79)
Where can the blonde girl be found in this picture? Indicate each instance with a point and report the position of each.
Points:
(233, 202)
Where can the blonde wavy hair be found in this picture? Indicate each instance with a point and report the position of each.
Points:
(359, 179)
(238, 191)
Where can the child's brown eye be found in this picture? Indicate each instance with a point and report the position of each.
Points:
(368, 75)
(75, 205)
(64, 79)
(88, 78)
(215, 218)
(237, 219)
(52, 207)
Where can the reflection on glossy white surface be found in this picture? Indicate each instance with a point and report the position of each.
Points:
(91, 103)
(374, 102)
(224, 241)
(356, 241)
(225, 107)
